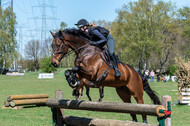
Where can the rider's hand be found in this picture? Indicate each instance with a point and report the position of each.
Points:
(92, 43)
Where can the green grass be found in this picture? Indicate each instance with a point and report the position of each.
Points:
(41, 116)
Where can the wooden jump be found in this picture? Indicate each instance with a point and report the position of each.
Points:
(82, 121)
(32, 99)
(146, 109)
(28, 102)
(58, 104)
(31, 96)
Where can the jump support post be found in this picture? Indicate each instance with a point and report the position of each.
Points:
(59, 119)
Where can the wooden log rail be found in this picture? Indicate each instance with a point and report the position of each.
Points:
(30, 99)
(31, 96)
(146, 109)
(59, 119)
(82, 121)
(28, 102)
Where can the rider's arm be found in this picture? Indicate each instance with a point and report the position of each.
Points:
(100, 36)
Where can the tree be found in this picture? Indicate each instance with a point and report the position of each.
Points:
(8, 42)
(32, 52)
(184, 20)
(63, 25)
(103, 23)
(46, 66)
(46, 49)
(144, 30)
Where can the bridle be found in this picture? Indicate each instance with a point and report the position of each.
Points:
(68, 53)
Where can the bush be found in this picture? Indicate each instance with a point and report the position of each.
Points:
(46, 66)
(30, 65)
(172, 69)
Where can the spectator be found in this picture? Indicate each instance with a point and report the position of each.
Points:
(165, 78)
(147, 74)
(158, 77)
(152, 74)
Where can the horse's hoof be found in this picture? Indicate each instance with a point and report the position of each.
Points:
(100, 100)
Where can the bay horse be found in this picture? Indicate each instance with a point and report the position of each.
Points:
(91, 64)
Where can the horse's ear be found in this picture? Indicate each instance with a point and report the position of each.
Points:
(60, 32)
(52, 34)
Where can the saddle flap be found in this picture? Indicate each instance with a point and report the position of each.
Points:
(107, 56)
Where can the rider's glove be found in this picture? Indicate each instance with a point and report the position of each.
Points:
(92, 43)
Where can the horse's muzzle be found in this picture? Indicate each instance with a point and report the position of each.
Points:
(54, 64)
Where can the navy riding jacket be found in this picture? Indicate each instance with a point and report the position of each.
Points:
(97, 37)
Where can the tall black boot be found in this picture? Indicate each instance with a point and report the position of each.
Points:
(117, 72)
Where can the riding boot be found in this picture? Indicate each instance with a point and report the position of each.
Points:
(117, 71)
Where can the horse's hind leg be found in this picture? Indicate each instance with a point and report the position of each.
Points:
(101, 91)
(125, 95)
(87, 93)
(139, 100)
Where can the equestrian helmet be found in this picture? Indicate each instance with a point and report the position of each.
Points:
(82, 22)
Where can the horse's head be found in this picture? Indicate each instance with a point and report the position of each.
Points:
(59, 48)
(68, 38)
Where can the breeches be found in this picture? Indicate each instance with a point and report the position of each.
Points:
(110, 44)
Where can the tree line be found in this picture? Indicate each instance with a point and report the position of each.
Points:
(148, 34)
(8, 44)
(151, 34)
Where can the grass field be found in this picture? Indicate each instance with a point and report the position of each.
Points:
(41, 116)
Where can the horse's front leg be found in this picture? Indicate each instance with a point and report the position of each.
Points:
(101, 91)
(78, 92)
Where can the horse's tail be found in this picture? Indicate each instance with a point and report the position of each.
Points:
(151, 93)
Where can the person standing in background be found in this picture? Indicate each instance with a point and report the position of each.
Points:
(152, 74)
(147, 74)
(158, 77)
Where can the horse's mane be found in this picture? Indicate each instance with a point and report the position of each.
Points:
(76, 32)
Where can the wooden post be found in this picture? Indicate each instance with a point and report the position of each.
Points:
(57, 113)
(166, 102)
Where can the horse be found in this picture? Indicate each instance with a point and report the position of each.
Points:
(77, 86)
(91, 63)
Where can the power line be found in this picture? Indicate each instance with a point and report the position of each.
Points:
(43, 18)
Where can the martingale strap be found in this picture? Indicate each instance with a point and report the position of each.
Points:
(104, 73)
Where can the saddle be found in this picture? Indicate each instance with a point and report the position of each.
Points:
(109, 63)
(107, 57)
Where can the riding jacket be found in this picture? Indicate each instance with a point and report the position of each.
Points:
(98, 35)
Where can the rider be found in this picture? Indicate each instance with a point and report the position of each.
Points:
(100, 37)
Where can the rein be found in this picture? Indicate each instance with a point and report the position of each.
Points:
(69, 52)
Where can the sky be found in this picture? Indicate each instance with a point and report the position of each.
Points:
(29, 14)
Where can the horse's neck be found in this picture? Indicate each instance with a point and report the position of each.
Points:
(81, 47)
(89, 50)
(76, 44)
